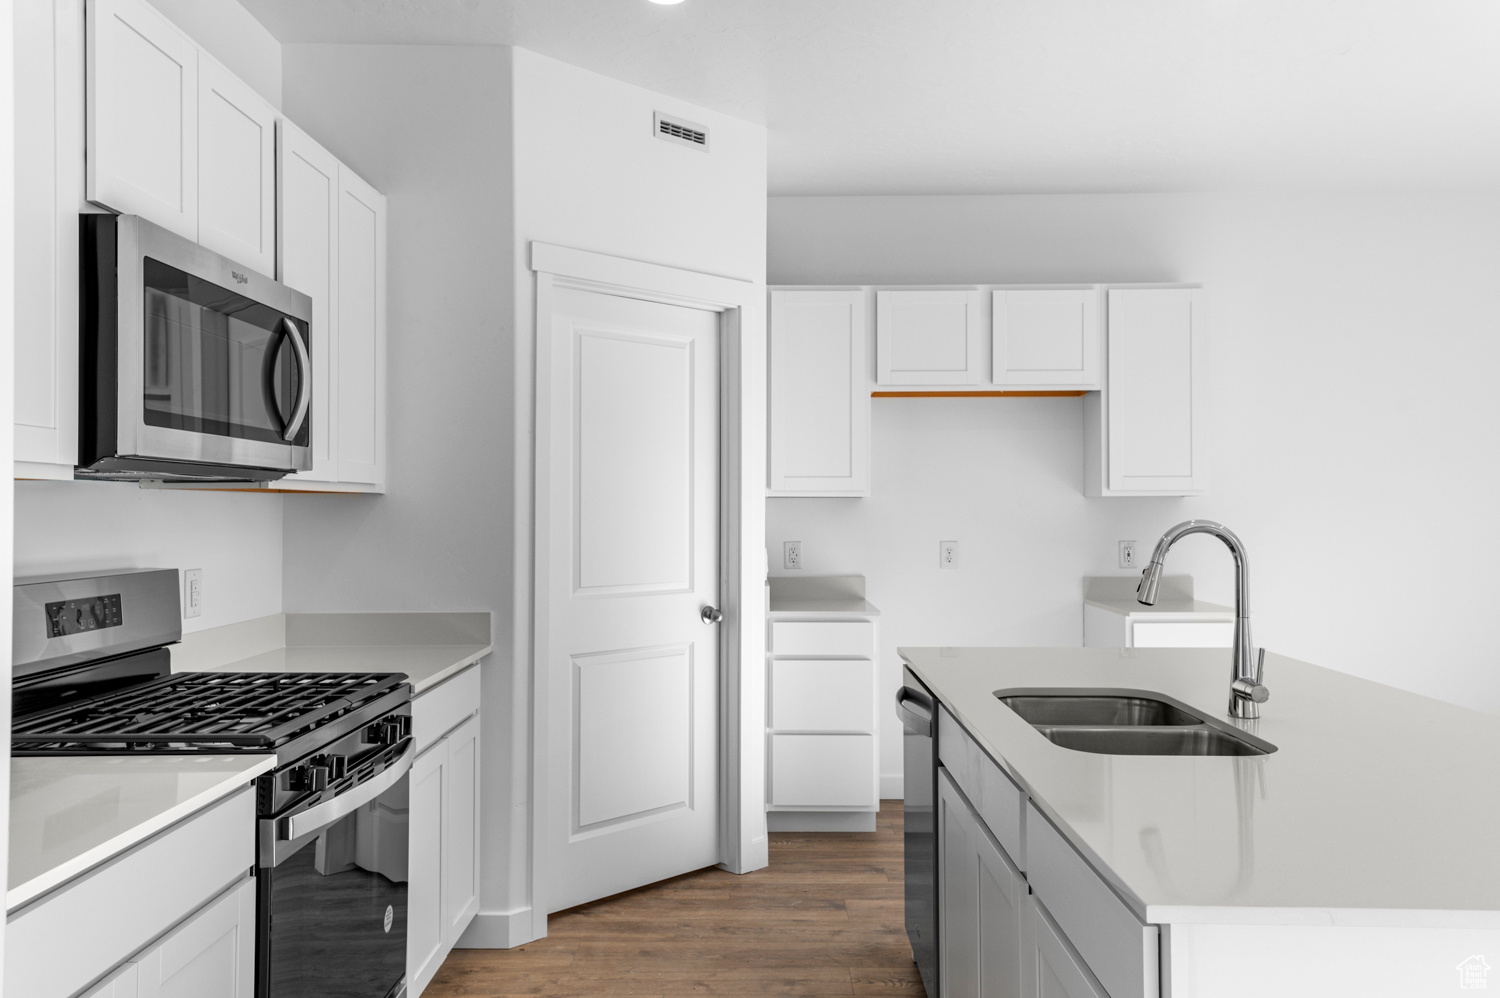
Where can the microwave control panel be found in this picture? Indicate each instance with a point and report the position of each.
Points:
(78, 615)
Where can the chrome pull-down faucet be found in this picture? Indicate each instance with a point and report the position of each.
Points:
(1246, 693)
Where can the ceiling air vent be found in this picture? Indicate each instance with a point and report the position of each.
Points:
(682, 132)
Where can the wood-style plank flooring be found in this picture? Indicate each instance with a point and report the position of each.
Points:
(825, 918)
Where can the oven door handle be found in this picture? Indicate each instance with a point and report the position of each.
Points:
(304, 381)
(315, 819)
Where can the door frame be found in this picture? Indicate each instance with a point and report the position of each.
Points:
(743, 843)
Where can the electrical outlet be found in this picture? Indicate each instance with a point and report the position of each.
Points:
(793, 557)
(192, 592)
(947, 554)
(1127, 554)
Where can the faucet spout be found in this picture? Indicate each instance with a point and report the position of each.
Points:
(1246, 692)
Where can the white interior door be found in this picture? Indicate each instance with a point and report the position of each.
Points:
(628, 557)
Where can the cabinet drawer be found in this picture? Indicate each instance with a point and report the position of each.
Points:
(84, 928)
(815, 695)
(823, 638)
(443, 708)
(1000, 803)
(823, 771)
(1118, 948)
(1182, 634)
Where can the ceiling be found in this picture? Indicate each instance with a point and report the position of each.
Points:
(1010, 96)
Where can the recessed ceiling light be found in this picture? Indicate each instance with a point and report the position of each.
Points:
(666, 2)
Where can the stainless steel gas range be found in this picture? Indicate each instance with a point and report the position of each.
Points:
(92, 675)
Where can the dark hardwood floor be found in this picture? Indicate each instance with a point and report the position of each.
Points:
(825, 918)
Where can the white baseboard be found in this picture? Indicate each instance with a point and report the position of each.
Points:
(892, 786)
(820, 821)
(497, 930)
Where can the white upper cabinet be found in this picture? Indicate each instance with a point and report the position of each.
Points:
(1145, 432)
(142, 115)
(1046, 339)
(361, 331)
(820, 399)
(307, 231)
(928, 337)
(236, 169)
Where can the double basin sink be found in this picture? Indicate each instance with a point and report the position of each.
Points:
(1127, 722)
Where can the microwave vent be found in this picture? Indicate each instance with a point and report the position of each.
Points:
(685, 133)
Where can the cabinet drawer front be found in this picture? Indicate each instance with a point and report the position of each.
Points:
(1118, 948)
(823, 638)
(836, 695)
(999, 802)
(1182, 634)
(443, 708)
(823, 771)
(70, 937)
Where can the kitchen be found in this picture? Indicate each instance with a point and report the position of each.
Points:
(1318, 289)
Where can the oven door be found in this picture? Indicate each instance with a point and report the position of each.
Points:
(332, 892)
(212, 362)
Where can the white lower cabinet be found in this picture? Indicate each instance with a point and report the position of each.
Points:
(174, 917)
(823, 756)
(443, 885)
(1055, 931)
(983, 898)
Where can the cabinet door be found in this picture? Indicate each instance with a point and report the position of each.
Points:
(1002, 905)
(823, 771)
(1153, 401)
(958, 890)
(361, 331)
(1051, 968)
(48, 161)
(424, 899)
(307, 260)
(819, 395)
(927, 337)
(142, 115)
(236, 169)
(1046, 338)
(461, 831)
(211, 955)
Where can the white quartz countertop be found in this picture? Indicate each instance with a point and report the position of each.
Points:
(428, 647)
(818, 596)
(1379, 807)
(71, 813)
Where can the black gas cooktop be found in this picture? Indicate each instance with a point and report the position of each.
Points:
(200, 712)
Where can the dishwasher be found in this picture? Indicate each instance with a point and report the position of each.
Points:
(918, 712)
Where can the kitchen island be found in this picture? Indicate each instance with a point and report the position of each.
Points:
(1360, 857)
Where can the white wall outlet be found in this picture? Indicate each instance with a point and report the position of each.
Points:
(1127, 554)
(947, 554)
(793, 554)
(192, 592)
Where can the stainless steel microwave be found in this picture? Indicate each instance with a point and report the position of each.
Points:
(192, 367)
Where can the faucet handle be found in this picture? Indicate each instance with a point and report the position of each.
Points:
(1252, 689)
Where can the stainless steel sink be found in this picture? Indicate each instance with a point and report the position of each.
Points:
(1198, 740)
(1127, 722)
(1097, 710)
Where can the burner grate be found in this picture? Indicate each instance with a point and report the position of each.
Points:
(241, 709)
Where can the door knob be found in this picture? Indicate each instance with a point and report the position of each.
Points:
(712, 615)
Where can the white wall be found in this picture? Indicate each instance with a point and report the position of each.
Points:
(590, 174)
(234, 37)
(235, 537)
(1354, 341)
(429, 126)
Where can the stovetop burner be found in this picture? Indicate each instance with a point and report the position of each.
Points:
(200, 712)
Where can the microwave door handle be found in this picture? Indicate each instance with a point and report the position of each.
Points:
(304, 381)
(315, 819)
